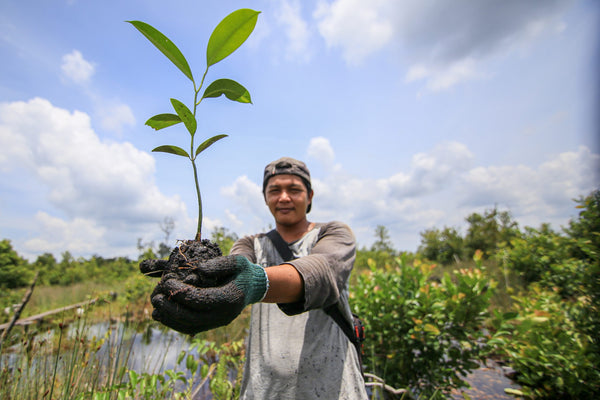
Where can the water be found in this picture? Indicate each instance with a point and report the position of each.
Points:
(151, 350)
(487, 383)
(155, 350)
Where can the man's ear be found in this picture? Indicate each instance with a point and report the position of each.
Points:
(309, 206)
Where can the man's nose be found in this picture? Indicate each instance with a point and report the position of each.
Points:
(284, 196)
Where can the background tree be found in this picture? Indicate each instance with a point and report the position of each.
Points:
(381, 252)
(223, 238)
(383, 242)
(445, 246)
(167, 226)
(585, 230)
(46, 265)
(486, 232)
(145, 249)
(14, 271)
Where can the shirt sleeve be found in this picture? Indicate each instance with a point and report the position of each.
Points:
(326, 269)
(244, 247)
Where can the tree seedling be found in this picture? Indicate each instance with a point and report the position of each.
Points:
(229, 34)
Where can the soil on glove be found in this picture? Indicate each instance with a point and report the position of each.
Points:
(176, 297)
(189, 254)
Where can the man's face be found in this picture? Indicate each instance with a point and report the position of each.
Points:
(287, 198)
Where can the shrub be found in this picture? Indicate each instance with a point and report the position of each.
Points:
(554, 359)
(552, 339)
(422, 334)
(585, 235)
(538, 256)
(137, 287)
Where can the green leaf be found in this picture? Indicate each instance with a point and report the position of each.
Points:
(208, 142)
(231, 89)
(431, 328)
(186, 116)
(180, 357)
(230, 34)
(191, 363)
(178, 151)
(496, 342)
(510, 315)
(161, 121)
(133, 378)
(515, 392)
(165, 45)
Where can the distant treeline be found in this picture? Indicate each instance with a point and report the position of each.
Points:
(16, 271)
(490, 232)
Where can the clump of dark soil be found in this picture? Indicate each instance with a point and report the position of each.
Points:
(183, 262)
(189, 254)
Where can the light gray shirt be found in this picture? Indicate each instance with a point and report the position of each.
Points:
(297, 351)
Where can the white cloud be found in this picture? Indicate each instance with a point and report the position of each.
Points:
(445, 43)
(249, 205)
(55, 235)
(76, 68)
(430, 172)
(354, 25)
(447, 32)
(115, 116)
(234, 221)
(546, 190)
(245, 192)
(444, 77)
(98, 186)
(320, 149)
(208, 226)
(296, 30)
(441, 188)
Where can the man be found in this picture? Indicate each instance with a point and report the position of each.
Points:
(295, 350)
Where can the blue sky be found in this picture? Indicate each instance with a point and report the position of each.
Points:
(410, 115)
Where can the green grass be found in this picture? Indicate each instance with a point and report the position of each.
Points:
(64, 360)
(45, 298)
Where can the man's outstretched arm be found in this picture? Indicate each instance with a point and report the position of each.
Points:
(285, 284)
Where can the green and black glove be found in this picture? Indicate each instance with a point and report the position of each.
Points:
(212, 294)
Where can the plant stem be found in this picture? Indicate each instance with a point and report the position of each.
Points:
(193, 158)
(19, 310)
(61, 327)
(199, 229)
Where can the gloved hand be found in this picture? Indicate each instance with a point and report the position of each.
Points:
(212, 294)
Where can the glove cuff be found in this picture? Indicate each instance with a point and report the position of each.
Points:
(253, 281)
(266, 289)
